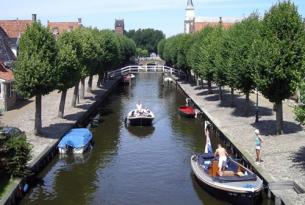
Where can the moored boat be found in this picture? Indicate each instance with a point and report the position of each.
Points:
(76, 140)
(143, 117)
(187, 111)
(237, 184)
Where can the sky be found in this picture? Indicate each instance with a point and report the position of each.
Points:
(165, 15)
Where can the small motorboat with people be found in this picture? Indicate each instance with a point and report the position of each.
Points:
(187, 110)
(76, 140)
(235, 183)
(140, 116)
(127, 78)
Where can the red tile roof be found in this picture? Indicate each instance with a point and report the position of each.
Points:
(6, 74)
(201, 25)
(14, 28)
(61, 27)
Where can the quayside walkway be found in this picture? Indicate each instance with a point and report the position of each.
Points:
(284, 162)
(53, 127)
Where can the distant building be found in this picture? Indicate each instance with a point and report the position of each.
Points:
(119, 26)
(194, 24)
(7, 93)
(14, 30)
(58, 28)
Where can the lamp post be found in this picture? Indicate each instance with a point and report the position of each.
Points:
(256, 110)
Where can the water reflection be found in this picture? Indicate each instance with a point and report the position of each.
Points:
(141, 132)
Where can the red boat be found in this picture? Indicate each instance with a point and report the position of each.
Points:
(187, 111)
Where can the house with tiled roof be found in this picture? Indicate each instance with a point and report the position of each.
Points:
(58, 28)
(193, 23)
(7, 94)
(14, 30)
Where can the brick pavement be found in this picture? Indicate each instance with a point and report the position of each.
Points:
(284, 155)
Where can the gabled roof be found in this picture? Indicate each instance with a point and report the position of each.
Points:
(14, 28)
(6, 74)
(6, 54)
(61, 27)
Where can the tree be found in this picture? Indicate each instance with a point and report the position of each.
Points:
(68, 65)
(34, 70)
(146, 39)
(279, 55)
(244, 35)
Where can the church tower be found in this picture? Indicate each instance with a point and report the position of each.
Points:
(189, 21)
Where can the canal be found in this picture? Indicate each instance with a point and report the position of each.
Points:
(131, 165)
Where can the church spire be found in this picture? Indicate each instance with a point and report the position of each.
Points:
(190, 4)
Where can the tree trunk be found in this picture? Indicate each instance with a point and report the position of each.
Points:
(38, 127)
(62, 104)
(247, 104)
(89, 89)
(232, 97)
(209, 87)
(99, 81)
(220, 93)
(202, 83)
(82, 89)
(75, 95)
(279, 117)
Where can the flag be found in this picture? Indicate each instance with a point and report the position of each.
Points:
(208, 146)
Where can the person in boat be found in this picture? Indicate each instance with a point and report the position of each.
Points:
(222, 154)
(258, 145)
(139, 107)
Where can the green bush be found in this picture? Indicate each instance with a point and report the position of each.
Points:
(17, 152)
(300, 114)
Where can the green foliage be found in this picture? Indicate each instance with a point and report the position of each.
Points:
(34, 70)
(299, 111)
(68, 63)
(146, 39)
(279, 54)
(17, 154)
(241, 39)
(142, 52)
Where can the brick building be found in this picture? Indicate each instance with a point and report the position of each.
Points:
(119, 26)
(192, 23)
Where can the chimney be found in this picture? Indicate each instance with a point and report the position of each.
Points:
(79, 20)
(34, 17)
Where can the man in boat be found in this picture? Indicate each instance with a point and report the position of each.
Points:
(222, 154)
(139, 107)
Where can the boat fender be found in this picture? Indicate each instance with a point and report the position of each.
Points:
(26, 188)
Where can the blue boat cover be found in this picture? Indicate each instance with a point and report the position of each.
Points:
(76, 138)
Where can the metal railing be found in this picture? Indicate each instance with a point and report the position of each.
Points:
(142, 69)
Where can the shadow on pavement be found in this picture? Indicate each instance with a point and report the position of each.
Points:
(268, 127)
(298, 158)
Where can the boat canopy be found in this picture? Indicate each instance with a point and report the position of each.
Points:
(76, 138)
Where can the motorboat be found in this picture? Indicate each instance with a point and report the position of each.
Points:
(76, 140)
(140, 117)
(127, 78)
(187, 111)
(236, 184)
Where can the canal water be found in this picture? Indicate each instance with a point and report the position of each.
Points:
(131, 165)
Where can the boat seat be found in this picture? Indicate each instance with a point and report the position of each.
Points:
(232, 166)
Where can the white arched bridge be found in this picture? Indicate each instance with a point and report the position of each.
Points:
(145, 69)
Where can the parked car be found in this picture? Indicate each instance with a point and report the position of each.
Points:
(7, 132)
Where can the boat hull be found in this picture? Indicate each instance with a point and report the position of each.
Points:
(141, 121)
(188, 112)
(232, 197)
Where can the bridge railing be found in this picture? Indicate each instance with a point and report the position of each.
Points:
(150, 68)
